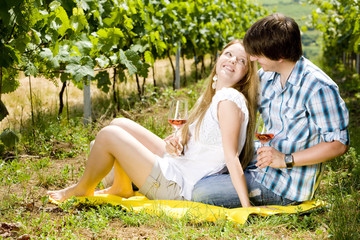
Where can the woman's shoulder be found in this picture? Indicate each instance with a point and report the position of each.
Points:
(229, 94)
(232, 95)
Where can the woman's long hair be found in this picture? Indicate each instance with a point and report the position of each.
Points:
(248, 86)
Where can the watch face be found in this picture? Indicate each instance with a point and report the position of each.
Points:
(289, 160)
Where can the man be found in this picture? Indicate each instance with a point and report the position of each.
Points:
(301, 105)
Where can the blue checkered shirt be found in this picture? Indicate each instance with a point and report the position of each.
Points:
(307, 111)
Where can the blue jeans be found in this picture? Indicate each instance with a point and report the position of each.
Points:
(218, 190)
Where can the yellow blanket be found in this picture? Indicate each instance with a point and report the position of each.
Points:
(196, 211)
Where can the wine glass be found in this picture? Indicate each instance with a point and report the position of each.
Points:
(178, 114)
(262, 134)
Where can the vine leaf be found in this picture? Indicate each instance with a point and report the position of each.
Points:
(109, 38)
(80, 67)
(102, 61)
(103, 81)
(78, 20)
(128, 62)
(9, 137)
(131, 60)
(3, 111)
(149, 57)
(8, 55)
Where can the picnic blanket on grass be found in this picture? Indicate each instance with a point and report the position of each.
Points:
(198, 212)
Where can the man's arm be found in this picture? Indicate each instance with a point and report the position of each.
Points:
(322, 152)
(328, 111)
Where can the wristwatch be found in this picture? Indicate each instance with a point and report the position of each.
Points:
(289, 161)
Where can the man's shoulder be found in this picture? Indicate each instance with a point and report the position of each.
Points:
(315, 76)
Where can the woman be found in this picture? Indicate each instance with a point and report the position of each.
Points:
(213, 138)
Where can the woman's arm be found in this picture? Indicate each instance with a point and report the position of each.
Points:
(230, 120)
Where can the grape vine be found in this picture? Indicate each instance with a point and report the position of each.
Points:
(339, 21)
(69, 39)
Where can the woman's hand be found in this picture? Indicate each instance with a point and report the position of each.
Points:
(173, 145)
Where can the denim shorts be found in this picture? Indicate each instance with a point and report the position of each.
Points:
(218, 190)
(157, 186)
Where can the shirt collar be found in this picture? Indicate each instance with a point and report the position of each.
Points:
(297, 72)
(295, 75)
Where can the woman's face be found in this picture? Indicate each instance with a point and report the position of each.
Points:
(231, 66)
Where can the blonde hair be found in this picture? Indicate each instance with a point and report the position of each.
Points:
(248, 86)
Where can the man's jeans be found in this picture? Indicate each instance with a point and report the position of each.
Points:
(218, 190)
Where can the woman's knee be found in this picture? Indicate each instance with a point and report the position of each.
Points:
(106, 134)
(120, 122)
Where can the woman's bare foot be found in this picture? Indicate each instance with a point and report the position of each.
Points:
(117, 192)
(66, 193)
(102, 191)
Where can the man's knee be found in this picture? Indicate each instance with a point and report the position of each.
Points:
(213, 189)
(204, 192)
(255, 193)
(200, 192)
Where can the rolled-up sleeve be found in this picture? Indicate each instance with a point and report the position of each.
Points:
(329, 113)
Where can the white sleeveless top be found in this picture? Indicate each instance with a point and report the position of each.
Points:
(205, 155)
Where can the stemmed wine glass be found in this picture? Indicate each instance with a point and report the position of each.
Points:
(262, 134)
(178, 114)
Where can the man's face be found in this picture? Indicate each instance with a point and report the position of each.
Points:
(266, 63)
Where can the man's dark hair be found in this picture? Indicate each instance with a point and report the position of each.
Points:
(275, 36)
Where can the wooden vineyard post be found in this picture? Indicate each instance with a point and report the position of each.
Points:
(177, 74)
(87, 100)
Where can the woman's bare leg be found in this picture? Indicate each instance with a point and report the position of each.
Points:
(122, 185)
(112, 143)
(151, 141)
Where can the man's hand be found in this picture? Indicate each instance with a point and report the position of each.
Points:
(269, 156)
(173, 145)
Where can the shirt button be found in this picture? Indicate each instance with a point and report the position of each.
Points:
(156, 184)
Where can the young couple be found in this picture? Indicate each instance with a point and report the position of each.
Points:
(299, 103)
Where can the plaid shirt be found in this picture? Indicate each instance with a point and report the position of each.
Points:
(307, 111)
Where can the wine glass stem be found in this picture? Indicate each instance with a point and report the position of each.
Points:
(176, 130)
(259, 169)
